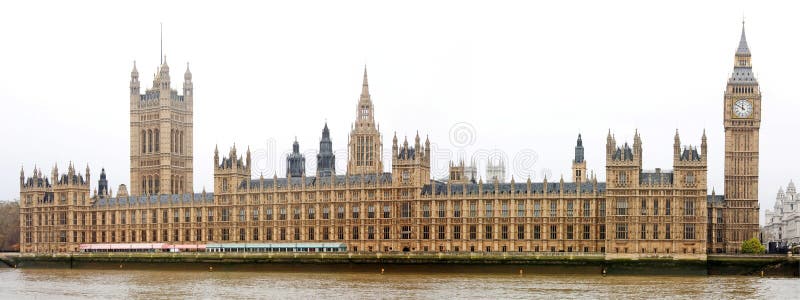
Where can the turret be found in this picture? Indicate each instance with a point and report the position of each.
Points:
(704, 146)
(578, 163)
(134, 86)
(326, 160)
(102, 184)
(188, 87)
(21, 177)
(295, 162)
(216, 157)
(676, 147)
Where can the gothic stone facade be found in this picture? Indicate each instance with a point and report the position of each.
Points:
(635, 213)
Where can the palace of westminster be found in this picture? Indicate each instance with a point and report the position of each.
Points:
(636, 213)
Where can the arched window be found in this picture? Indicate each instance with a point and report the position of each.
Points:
(149, 141)
(144, 185)
(181, 143)
(143, 140)
(172, 140)
(149, 184)
(157, 140)
(157, 184)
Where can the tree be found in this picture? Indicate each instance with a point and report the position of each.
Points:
(753, 246)
(9, 226)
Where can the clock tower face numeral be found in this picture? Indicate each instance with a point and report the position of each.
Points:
(742, 108)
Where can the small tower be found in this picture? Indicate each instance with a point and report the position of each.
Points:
(102, 184)
(295, 162)
(326, 160)
(579, 164)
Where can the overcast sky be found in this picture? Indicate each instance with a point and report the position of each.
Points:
(515, 79)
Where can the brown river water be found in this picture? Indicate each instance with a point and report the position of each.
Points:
(308, 283)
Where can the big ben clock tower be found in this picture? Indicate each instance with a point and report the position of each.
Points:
(742, 118)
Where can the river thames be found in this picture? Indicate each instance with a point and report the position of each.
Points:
(306, 284)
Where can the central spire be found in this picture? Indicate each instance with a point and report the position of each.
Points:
(743, 48)
(365, 85)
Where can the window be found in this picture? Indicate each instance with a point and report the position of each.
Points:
(655, 231)
(643, 231)
(268, 212)
(457, 232)
(667, 207)
(355, 232)
(537, 232)
(326, 213)
(622, 207)
(225, 234)
(520, 209)
(719, 216)
(553, 207)
(622, 231)
(473, 209)
(488, 232)
(282, 215)
(487, 209)
(441, 209)
(473, 232)
(504, 209)
(198, 216)
(553, 232)
(504, 232)
(340, 233)
(312, 235)
(405, 210)
(371, 212)
(601, 210)
(255, 234)
(370, 232)
(426, 232)
(667, 232)
(255, 214)
(602, 232)
(242, 234)
(225, 214)
(688, 231)
(586, 230)
(537, 208)
(520, 232)
(570, 208)
(643, 209)
(210, 215)
(570, 232)
(387, 211)
(312, 213)
(386, 232)
(283, 234)
(655, 207)
(340, 213)
(586, 208)
(242, 215)
(440, 232)
(457, 210)
(688, 207)
(296, 234)
(326, 233)
(426, 210)
(405, 233)
(296, 214)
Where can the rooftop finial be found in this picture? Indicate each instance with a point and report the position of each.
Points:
(365, 84)
(161, 24)
(743, 48)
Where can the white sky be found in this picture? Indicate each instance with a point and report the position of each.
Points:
(527, 77)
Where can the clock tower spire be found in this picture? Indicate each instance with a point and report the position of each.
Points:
(742, 120)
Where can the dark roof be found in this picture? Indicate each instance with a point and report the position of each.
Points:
(690, 154)
(440, 188)
(174, 199)
(255, 183)
(656, 177)
(715, 199)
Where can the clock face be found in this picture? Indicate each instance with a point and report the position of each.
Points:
(743, 108)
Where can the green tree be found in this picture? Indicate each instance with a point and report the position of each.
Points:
(753, 246)
(9, 226)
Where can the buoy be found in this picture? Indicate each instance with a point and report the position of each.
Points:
(120, 266)
(604, 271)
(520, 271)
(382, 270)
(762, 273)
(211, 269)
